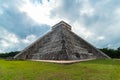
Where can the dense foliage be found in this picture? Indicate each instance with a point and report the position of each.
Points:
(113, 53)
(10, 54)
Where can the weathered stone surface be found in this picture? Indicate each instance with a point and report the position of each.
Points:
(61, 44)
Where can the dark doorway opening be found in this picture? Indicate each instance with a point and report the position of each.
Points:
(77, 55)
(27, 56)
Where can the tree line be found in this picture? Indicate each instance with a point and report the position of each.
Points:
(9, 54)
(113, 53)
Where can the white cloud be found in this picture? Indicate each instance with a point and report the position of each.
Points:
(40, 12)
(29, 39)
(4, 43)
(86, 9)
(12, 38)
(9, 41)
(82, 31)
(101, 38)
(7, 36)
(117, 14)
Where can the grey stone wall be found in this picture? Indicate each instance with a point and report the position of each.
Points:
(60, 44)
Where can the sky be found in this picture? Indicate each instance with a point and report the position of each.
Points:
(24, 21)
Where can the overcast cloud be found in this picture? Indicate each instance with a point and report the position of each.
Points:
(24, 21)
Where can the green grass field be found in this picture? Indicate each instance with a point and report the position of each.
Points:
(89, 70)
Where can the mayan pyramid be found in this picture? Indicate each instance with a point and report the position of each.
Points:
(61, 44)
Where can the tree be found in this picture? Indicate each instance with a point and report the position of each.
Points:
(10, 54)
(113, 53)
(118, 49)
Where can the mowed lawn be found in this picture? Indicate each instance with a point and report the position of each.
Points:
(89, 70)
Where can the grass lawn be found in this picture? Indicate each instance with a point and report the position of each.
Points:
(89, 70)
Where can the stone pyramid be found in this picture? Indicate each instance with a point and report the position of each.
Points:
(61, 44)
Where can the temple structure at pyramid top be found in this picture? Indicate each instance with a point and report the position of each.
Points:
(62, 23)
(61, 44)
